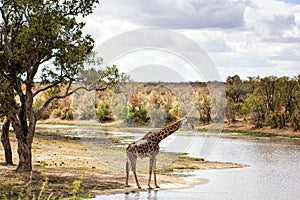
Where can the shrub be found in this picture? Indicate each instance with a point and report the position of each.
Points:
(56, 113)
(273, 121)
(103, 113)
(296, 123)
(68, 114)
(141, 115)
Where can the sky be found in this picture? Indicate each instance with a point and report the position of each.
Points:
(248, 38)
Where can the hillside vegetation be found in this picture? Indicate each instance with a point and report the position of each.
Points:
(263, 102)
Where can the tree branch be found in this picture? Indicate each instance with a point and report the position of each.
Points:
(45, 88)
(66, 94)
(5, 31)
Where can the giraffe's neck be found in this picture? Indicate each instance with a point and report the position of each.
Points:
(168, 130)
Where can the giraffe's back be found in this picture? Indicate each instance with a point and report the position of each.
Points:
(143, 148)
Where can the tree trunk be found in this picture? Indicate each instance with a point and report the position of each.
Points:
(24, 137)
(6, 143)
(25, 157)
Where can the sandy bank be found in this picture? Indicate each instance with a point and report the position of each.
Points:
(96, 164)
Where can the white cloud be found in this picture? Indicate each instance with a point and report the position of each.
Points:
(176, 14)
(247, 38)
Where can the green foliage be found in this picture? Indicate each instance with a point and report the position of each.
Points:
(273, 121)
(76, 187)
(130, 114)
(42, 36)
(235, 93)
(8, 104)
(254, 104)
(296, 123)
(134, 112)
(103, 113)
(141, 114)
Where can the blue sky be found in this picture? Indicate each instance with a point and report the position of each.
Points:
(244, 37)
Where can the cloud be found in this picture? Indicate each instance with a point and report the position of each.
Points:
(175, 14)
(242, 37)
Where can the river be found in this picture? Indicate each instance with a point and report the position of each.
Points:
(273, 171)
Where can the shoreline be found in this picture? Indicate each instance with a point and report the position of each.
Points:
(62, 156)
(242, 127)
(61, 161)
(247, 129)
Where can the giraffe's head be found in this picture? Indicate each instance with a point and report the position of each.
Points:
(182, 121)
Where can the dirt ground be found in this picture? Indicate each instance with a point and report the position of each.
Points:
(66, 166)
(241, 126)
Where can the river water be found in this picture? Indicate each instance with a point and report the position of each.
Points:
(273, 172)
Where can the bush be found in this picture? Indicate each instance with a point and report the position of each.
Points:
(130, 115)
(296, 123)
(172, 112)
(68, 114)
(103, 113)
(56, 113)
(273, 121)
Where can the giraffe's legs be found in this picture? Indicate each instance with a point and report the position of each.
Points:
(154, 174)
(152, 168)
(131, 163)
(133, 169)
(127, 173)
(150, 172)
(136, 180)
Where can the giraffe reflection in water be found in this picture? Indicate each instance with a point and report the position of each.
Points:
(152, 194)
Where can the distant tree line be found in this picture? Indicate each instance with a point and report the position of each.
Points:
(268, 101)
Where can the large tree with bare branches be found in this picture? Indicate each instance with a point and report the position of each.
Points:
(43, 38)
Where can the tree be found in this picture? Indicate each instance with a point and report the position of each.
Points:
(268, 91)
(287, 90)
(254, 104)
(44, 38)
(235, 93)
(6, 99)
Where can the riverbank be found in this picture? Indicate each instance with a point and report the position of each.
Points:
(66, 166)
(249, 129)
(245, 128)
(240, 126)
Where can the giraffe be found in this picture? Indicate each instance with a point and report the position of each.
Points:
(148, 146)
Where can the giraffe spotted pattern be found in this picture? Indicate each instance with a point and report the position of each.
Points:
(148, 146)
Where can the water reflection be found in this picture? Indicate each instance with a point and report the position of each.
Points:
(151, 195)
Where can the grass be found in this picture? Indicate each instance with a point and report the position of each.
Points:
(250, 133)
(39, 185)
(182, 163)
(118, 140)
